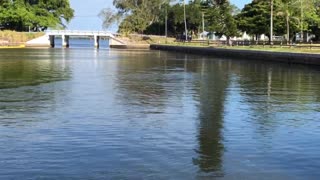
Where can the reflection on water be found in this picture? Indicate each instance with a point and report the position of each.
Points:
(211, 94)
(25, 78)
(35, 68)
(96, 114)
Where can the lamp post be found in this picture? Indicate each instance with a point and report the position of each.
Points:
(165, 3)
(166, 31)
(203, 22)
(271, 23)
(185, 20)
(301, 22)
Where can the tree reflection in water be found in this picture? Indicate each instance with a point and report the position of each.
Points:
(23, 78)
(212, 92)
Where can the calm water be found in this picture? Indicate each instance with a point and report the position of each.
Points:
(111, 114)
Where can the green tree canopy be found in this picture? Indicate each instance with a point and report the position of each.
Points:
(38, 15)
(255, 18)
(220, 18)
(290, 17)
(137, 15)
(148, 16)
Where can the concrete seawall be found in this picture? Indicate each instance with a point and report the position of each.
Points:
(286, 57)
(131, 46)
(42, 41)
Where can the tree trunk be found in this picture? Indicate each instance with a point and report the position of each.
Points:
(229, 43)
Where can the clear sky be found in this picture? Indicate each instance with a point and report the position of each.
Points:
(86, 13)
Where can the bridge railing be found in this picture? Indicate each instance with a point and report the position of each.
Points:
(80, 32)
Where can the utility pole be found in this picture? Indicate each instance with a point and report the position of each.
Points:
(271, 23)
(301, 21)
(166, 31)
(203, 22)
(185, 20)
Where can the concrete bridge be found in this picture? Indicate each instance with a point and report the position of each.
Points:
(48, 39)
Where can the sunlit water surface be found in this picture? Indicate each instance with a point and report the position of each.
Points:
(117, 114)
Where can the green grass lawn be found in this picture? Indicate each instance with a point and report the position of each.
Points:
(18, 37)
(278, 49)
(296, 49)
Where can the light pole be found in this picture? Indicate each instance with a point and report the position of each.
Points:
(301, 21)
(271, 23)
(203, 22)
(164, 2)
(166, 31)
(185, 20)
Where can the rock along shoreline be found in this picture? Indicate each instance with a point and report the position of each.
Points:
(285, 57)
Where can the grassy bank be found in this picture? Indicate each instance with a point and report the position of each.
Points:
(244, 54)
(149, 39)
(315, 49)
(145, 39)
(278, 49)
(12, 46)
(16, 39)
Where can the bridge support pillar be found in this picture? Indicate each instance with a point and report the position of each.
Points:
(51, 39)
(65, 41)
(96, 41)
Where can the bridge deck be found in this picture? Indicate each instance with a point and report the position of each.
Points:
(80, 33)
(65, 34)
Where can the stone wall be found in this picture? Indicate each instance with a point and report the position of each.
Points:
(286, 57)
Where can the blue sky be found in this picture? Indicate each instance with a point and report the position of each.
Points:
(86, 13)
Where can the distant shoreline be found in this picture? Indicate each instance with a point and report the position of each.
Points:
(13, 47)
(13, 39)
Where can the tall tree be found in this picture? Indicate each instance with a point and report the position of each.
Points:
(137, 15)
(221, 19)
(149, 16)
(255, 18)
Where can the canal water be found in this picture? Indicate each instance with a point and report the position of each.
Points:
(83, 113)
